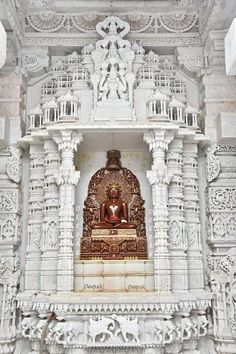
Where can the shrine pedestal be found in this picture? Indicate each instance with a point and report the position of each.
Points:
(102, 276)
(117, 244)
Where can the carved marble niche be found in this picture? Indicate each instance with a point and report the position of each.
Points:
(114, 243)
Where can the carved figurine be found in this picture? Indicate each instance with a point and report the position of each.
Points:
(114, 211)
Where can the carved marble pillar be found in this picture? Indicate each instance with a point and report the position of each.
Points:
(67, 180)
(50, 218)
(10, 238)
(177, 236)
(159, 180)
(35, 221)
(192, 221)
(221, 210)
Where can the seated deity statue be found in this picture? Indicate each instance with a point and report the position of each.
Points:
(114, 216)
(113, 211)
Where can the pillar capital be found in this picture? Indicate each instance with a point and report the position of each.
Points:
(158, 139)
(68, 139)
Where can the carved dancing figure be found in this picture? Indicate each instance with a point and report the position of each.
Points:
(102, 86)
(122, 89)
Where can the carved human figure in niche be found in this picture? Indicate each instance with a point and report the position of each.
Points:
(123, 83)
(102, 88)
(114, 211)
(113, 84)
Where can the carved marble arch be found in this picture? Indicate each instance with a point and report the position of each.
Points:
(130, 193)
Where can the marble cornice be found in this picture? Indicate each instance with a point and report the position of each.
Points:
(34, 137)
(123, 303)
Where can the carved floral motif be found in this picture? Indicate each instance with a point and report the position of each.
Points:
(220, 265)
(213, 165)
(9, 201)
(177, 21)
(222, 199)
(14, 164)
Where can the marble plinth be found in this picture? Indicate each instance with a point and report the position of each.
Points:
(127, 275)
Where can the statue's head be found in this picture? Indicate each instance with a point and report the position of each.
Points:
(113, 190)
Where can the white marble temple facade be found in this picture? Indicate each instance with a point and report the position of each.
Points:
(147, 79)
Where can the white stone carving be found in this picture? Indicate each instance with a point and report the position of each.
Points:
(103, 327)
(67, 143)
(221, 228)
(112, 85)
(14, 165)
(113, 79)
(192, 217)
(191, 58)
(221, 198)
(177, 21)
(35, 62)
(119, 332)
(50, 239)
(35, 223)
(213, 165)
(219, 266)
(177, 233)
(128, 326)
(159, 180)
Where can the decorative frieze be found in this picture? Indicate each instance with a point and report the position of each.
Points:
(139, 23)
(117, 331)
